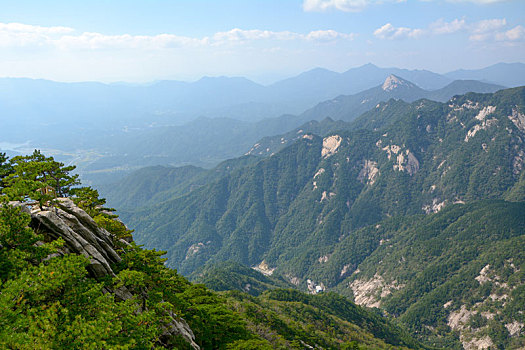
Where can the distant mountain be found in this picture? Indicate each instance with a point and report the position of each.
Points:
(404, 216)
(457, 271)
(460, 87)
(349, 107)
(205, 142)
(398, 170)
(110, 130)
(507, 74)
(146, 183)
(234, 276)
(72, 115)
(423, 78)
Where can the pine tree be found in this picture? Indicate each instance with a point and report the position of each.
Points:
(39, 178)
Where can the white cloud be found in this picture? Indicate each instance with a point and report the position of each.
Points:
(516, 33)
(27, 28)
(488, 25)
(480, 2)
(96, 41)
(494, 30)
(22, 35)
(240, 35)
(328, 35)
(388, 31)
(485, 30)
(342, 5)
(442, 27)
(359, 5)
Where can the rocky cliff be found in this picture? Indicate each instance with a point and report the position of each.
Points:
(82, 235)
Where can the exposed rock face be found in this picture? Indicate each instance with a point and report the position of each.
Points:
(264, 268)
(82, 235)
(435, 207)
(483, 126)
(194, 249)
(405, 161)
(392, 82)
(369, 292)
(485, 112)
(413, 164)
(518, 119)
(391, 149)
(318, 173)
(330, 145)
(314, 288)
(369, 172)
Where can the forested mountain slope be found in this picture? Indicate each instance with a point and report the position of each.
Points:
(324, 207)
(71, 277)
(317, 190)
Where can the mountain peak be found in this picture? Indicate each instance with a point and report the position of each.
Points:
(393, 82)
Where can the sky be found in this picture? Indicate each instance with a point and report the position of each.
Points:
(264, 40)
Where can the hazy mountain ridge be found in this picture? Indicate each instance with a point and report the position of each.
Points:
(206, 141)
(295, 209)
(395, 90)
(348, 108)
(114, 121)
(402, 155)
(497, 73)
(38, 103)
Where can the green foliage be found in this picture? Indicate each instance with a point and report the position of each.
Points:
(368, 207)
(293, 320)
(63, 309)
(252, 344)
(38, 178)
(88, 199)
(18, 248)
(234, 276)
(113, 226)
(48, 299)
(437, 258)
(5, 168)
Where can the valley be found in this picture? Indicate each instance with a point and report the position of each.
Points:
(400, 210)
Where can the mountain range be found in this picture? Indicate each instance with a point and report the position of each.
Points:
(44, 108)
(415, 210)
(207, 141)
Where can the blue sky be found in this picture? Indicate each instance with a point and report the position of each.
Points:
(264, 40)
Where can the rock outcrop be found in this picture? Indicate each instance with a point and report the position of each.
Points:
(83, 236)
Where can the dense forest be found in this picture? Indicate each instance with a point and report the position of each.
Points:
(72, 278)
(391, 210)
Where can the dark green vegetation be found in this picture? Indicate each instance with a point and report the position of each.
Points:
(55, 295)
(152, 185)
(234, 276)
(326, 206)
(291, 319)
(465, 260)
(419, 161)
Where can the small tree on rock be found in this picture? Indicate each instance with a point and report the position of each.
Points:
(38, 178)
